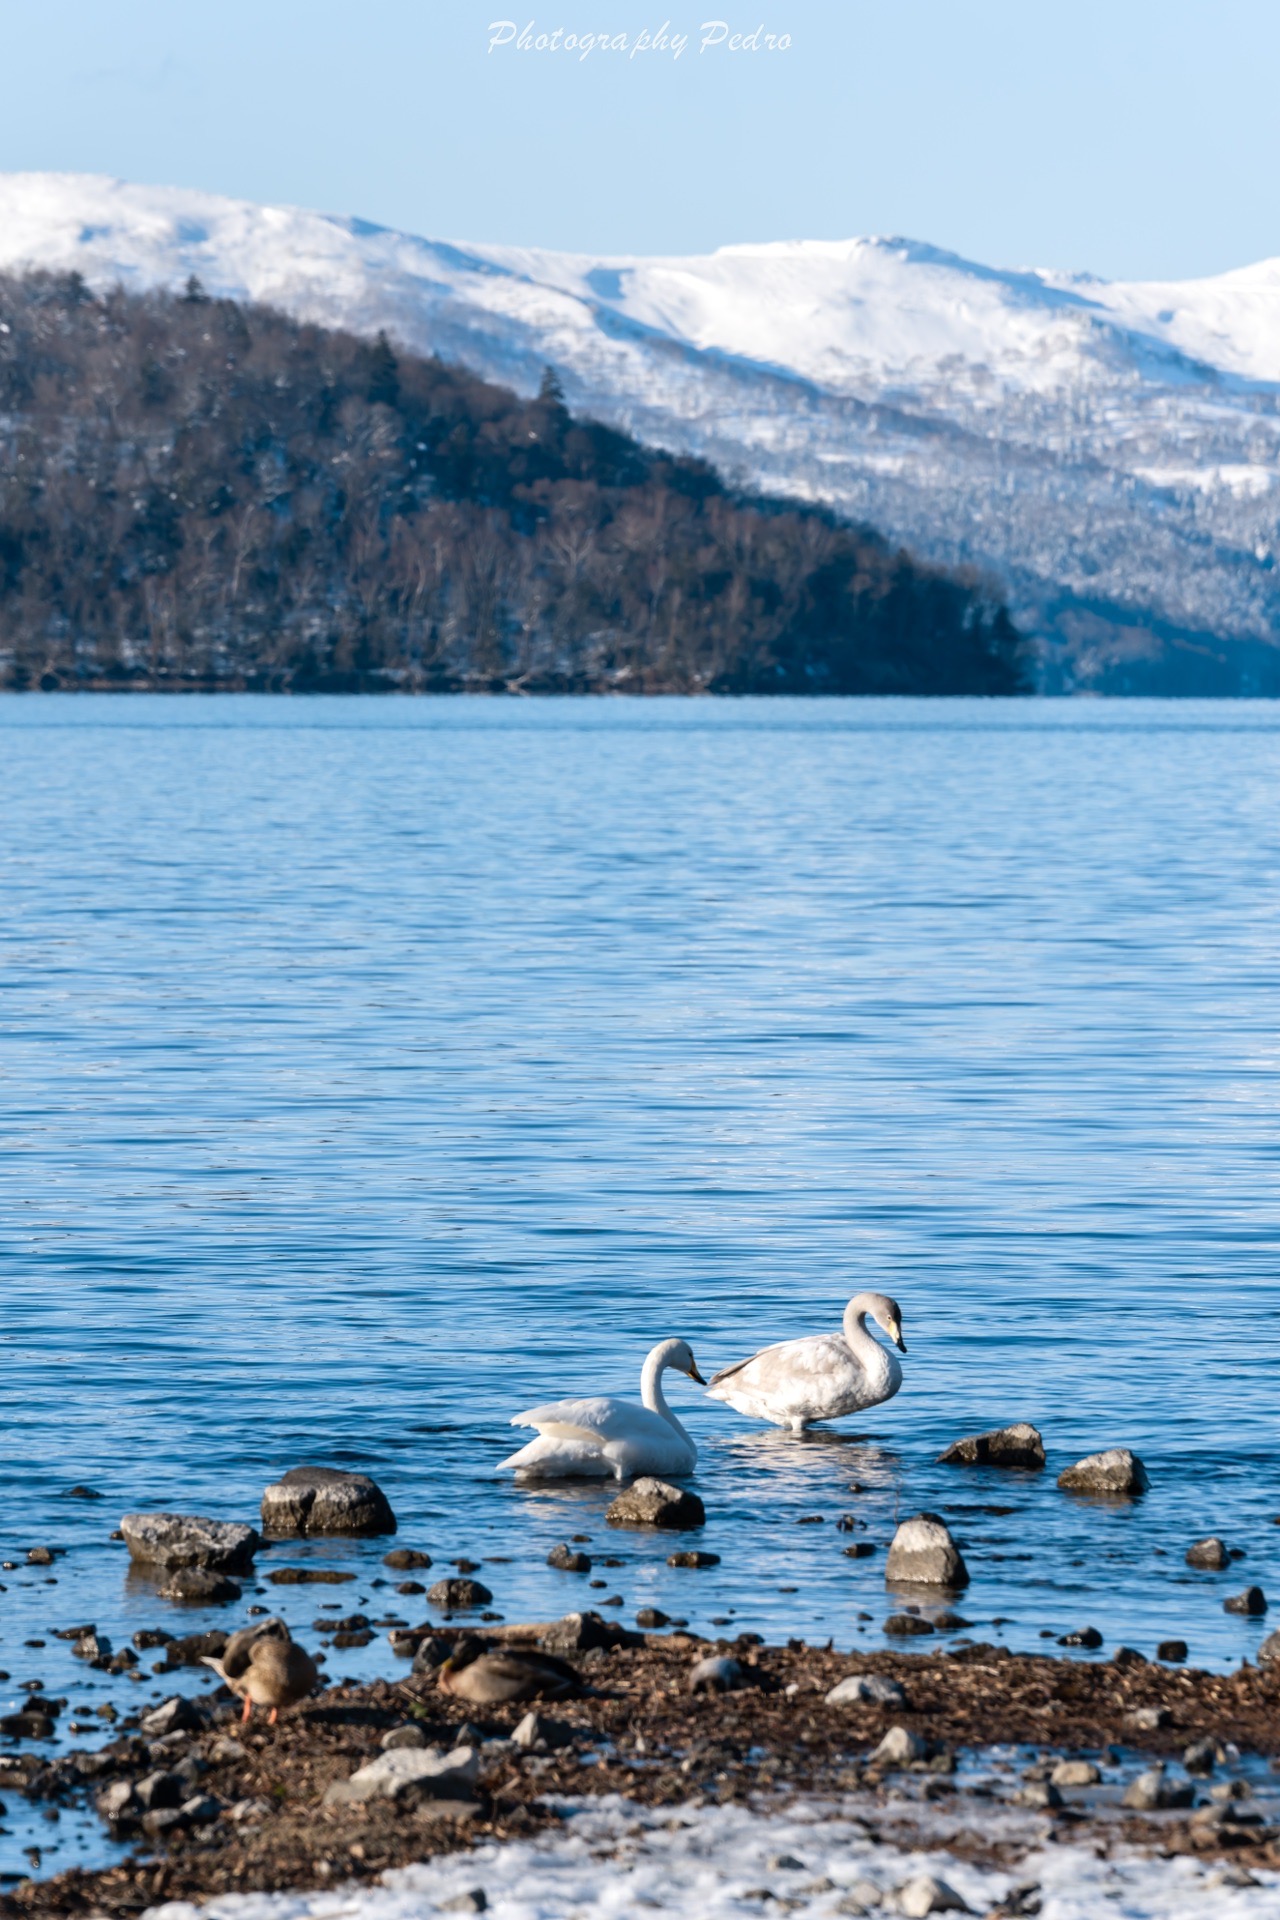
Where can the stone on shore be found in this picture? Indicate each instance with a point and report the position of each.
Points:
(1116, 1471)
(199, 1586)
(583, 1632)
(1210, 1553)
(924, 1554)
(867, 1689)
(655, 1503)
(1150, 1792)
(190, 1540)
(1075, 1773)
(1252, 1601)
(716, 1674)
(175, 1715)
(1269, 1652)
(926, 1894)
(409, 1770)
(537, 1732)
(1017, 1446)
(899, 1748)
(326, 1500)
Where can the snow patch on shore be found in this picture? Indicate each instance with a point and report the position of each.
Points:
(613, 1859)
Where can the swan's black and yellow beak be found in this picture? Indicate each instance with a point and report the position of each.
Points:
(694, 1374)
(898, 1341)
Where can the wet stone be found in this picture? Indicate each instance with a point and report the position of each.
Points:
(1252, 1601)
(717, 1674)
(1019, 1446)
(309, 1500)
(1115, 1471)
(860, 1550)
(903, 1625)
(923, 1553)
(308, 1577)
(690, 1557)
(189, 1540)
(655, 1503)
(565, 1560)
(1210, 1553)
(1174, 1651)
(406, 1559)
(199, 1586)
(458, 1595)
(1082, 1637)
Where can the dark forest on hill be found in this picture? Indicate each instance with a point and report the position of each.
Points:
(200, 494)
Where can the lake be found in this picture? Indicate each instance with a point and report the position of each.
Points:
(375, 1069)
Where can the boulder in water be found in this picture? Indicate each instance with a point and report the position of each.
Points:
(326, 1500)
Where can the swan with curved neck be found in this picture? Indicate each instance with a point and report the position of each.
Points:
(822, 1377)
(604, 1438)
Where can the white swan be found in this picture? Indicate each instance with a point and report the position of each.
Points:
(592, 1439)
(822, 1377)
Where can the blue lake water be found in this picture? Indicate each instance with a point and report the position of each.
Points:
(370, 1070)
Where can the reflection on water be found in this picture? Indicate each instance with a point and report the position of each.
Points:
(372, 1071)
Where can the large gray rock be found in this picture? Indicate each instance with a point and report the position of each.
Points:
(654, 1503)
(924, 1554)
(926, 1894)
(456, 1595)
(583, 1632)
(325, 1500)
(190, 1540)
(899, 1748)
(867, 1689)
(1210, 1554)
(1115, 1471)
(199, 1586)
(408, 1770)
(1017, 1446)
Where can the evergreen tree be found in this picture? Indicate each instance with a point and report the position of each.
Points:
(384, 374)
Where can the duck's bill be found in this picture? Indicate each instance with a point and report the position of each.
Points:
(695, 1375)
(898, 1340)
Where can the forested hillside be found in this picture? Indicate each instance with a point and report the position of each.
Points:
(196, 493)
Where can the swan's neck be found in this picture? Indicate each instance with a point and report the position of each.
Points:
(875, 1360)
(651, 1390)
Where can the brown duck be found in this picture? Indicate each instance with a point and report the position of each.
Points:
(264, 1667)
(508, 1674)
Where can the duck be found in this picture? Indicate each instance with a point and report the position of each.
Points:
(265, 1667)
(495, 1677)
(605, 1438)
(823, 1376)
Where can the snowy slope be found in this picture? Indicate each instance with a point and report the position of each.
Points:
(1109, 451)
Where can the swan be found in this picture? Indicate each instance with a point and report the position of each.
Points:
(592, 1439)
(822, 1377)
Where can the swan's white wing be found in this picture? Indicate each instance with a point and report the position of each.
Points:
(773, 1368)
(599, 1420)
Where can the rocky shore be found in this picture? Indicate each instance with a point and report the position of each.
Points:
(364, 1779)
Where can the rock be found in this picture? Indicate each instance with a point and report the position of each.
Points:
(409, 1735)
(924, 1554)
(82, 1493)
(536, 1730)
(91, 1646)
(174, 1715)
(688, 1557)
(1210, 1553)
(867, 1689)
(899, 1748)
(425, 1770)
(1082, 1637)
(652, 1617)
(190, 1540)
(309, 1577)
(149, 1637)
(199, 1586)
(582, 1632)
(190, 1649)
(860, 1550)
(1269, 1652)
(565, 1560)
(716, 1674)
(927, 1894)
(1150, 1791)
(118, 1801)
(654, 1503)
(1175, 1651)
(162, 1821)
(1115, 1471)
(473, 1900)
(903, 1625)
(1253, 1601)
(1129, 1657)
(226, 1751)
(1075, 1773)
(1038, 1795)
(27, 1726)
(326, 1500)
(458, 1595)
(40, 1556)
(431, 1654)
(1148, 1719)
(1017, 1446)
(159, 1789)
(202, 1810)
(405, 1559)
(1201, 1757)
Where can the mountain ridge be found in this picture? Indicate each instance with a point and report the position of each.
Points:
(1109, 451)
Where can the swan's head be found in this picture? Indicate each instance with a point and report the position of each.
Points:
(679, 1354)
(885, 1312)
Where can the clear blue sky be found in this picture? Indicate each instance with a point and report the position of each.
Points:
(1130, 137)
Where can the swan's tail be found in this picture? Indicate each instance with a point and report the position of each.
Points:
(553, 1457)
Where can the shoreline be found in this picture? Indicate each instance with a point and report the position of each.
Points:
(988, 1726)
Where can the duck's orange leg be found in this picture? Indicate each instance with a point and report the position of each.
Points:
(273, 1716)
(247, 1715)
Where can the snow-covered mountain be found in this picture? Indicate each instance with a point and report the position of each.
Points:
(1109, 451)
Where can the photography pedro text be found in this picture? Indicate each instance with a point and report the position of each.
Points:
(711, 35)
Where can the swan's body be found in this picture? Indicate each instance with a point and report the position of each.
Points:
(606, 1438)
(820, 1378)
(264, 1667)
